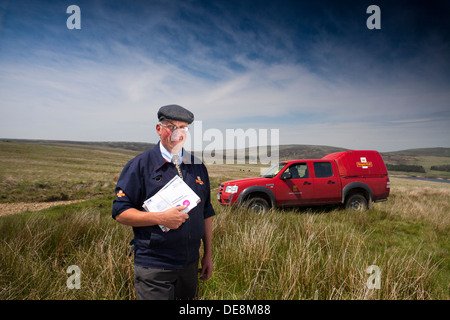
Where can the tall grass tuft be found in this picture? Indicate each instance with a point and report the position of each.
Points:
(37, 249)
(287, 255)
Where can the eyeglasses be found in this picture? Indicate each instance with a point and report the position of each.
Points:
(173, 127)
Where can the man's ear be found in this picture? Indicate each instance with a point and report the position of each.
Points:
(158, 129)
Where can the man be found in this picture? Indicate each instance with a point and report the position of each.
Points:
(166, 263)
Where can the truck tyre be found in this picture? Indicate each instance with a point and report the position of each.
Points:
(356, 202)
(257, 204)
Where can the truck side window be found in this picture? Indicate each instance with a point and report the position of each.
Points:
(299, 171)
(323, 169)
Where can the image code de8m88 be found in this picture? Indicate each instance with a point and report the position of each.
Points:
(244, 309)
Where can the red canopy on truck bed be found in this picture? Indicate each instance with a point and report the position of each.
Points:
(355, 163)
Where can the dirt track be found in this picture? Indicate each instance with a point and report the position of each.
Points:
(13, 208)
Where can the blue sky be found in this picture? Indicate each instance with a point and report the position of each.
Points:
(311, 69)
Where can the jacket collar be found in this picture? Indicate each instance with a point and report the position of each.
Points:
(167, 155)
(157, 158)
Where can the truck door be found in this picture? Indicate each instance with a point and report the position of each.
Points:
(327, 188)
(298, 188)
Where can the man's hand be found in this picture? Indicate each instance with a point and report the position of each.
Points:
(172, 218)
(207, 268)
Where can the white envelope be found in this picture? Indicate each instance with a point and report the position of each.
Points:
(175, 193)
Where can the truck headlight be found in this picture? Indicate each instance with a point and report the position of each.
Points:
(231, 189)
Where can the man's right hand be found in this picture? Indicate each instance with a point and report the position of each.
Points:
(173, 218)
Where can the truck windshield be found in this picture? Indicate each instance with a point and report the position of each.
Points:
(272, 172)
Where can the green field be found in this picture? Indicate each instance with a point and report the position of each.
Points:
(51, 172)
(314, 253)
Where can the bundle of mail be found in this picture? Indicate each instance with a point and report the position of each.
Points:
(175, 193)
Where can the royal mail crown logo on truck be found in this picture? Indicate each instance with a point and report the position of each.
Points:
(355, 179)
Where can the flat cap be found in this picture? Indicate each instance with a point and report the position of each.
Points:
(176, 113)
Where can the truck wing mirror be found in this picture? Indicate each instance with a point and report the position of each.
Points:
(286, 175)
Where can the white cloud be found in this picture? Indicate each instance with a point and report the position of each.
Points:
(103, 101)
(110, 89)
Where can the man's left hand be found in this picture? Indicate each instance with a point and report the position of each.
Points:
(207, 268)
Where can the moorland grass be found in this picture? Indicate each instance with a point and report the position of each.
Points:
(37, 173)
(284, 254)
(315, 253)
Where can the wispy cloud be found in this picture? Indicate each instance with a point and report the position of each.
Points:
(233, 67)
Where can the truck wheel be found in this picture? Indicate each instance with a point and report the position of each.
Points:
(356, 202)
(258, 205)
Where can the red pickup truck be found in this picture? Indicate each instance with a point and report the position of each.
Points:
(354, 178)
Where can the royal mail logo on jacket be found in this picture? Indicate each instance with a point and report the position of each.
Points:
(199, 180)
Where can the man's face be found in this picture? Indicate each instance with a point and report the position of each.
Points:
(172, 135)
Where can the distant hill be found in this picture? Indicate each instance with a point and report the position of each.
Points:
(424, 156)
(438, 152)
(134, 146)
(424, 162)
(298, 151)
(289, 151)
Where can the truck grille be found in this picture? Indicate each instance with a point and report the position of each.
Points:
(219, 192)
